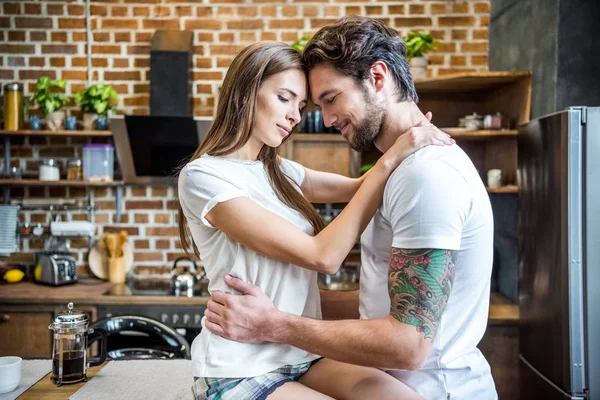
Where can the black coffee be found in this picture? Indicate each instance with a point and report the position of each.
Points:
(73, 363)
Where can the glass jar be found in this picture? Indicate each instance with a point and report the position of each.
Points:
(13, 106)
(74, 170)
(49, 170)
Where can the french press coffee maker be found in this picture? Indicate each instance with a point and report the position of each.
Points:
(69, 350)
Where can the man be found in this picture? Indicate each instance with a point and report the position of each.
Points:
(427, 253)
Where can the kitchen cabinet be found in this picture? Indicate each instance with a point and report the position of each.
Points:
(322, 152)
(24, 329)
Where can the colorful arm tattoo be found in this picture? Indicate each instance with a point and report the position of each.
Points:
(419, 284)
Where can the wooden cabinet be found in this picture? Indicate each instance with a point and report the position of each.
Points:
(322, 152)
(24, 329)
(500, 346)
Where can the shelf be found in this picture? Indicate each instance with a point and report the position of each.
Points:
(64, 182)
(55, 133)
(318, 137)
(470, 81)
(462, 133)
(504, 189)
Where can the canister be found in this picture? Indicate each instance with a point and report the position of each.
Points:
(13, 106)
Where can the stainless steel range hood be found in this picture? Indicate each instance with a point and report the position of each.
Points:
(151, 148)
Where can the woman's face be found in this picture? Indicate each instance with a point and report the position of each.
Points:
(280, 99)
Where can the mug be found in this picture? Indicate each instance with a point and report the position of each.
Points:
(35, 122)
(71, 123)
(10, 373)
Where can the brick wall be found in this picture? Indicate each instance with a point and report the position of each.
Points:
(49, 38)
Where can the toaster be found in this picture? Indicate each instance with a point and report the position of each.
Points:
(54, 268)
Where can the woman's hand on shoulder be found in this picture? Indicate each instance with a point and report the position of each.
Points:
(416, 137)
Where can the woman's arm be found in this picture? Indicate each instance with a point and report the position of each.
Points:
(273, 236)
(325, 187)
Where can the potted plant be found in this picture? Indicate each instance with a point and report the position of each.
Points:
(95, 101)
(417, 45)
(299, 44)
(49, 101)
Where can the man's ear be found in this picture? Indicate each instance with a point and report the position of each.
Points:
(379, 75)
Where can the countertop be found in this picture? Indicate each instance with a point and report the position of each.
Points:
(336, 304)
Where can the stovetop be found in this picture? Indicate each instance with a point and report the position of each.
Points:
(153, 287)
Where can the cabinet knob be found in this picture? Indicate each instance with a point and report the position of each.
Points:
(5, 317)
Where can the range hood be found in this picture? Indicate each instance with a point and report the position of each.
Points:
(151, 148)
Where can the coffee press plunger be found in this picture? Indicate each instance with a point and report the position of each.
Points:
(69, 350)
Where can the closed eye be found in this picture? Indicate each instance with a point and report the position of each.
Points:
(283, 99)
(332, 99)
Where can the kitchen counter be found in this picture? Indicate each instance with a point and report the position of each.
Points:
(335, 303)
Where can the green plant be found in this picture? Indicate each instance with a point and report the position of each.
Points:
(299, 44)
(363, 169)
(97, 99)
(46, 96)
(419, 43)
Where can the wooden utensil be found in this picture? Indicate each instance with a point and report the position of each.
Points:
(112, 244)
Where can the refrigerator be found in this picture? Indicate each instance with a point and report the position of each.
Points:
(559, 255)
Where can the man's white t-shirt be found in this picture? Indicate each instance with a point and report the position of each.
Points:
(204, 183)
(435, 199)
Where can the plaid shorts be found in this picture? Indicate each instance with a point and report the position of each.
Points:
(253, 388)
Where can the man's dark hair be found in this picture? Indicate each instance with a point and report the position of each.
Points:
(353, 44)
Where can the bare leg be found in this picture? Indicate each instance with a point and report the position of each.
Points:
(296, 391)
(352, 382)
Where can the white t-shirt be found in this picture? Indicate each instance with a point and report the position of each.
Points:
(435, 199)
(205, 182)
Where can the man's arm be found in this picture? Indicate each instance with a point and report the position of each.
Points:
(419, 285)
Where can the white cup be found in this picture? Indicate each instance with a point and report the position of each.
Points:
(10, 373)
(494, 178)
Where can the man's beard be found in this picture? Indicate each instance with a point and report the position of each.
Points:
(369, 129)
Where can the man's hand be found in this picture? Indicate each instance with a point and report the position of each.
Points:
(244, 318)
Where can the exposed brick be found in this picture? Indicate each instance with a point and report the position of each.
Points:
(137, 101)
(229, 49)
(374, 10)
(248, 37)
(71, 23)
(141, 244)
(79, 36)
(245, 24)
(445, 47)
(122, 75)
(143, 37)
(208, 75)
(353, 10)
(208, 24)
(474, 47)
(438, 8)
(106, 49)
(162, 11)
(147, 256)
(287, 23)
(97, 10)
(225, 11)
(457, 21)
(183, 11)
(109, 23)
(204, 11)
(58, 36)
(207, 88)
(162, 218)
(11, 8)
(162, 231)
(75, 9)
(74, 75)
(268, 11)
(479, 60)
(138, 49)
(120, 11)
(31, 22)
(163, 244)
(78, 62)
(481, 8)
(412, 21)
(57, 61)
(460, 8)
(161, 24)
(33, 8)
(140, 218)
(4, 22)
(55, 9)
(143, 204)
(15, 62)
(38, 36)
(59, 49)
(247, 11)
(120, 63)
(141, 63)
(101, 36)
(313, 11)
(16, 36)
(289, 11)
(268, 36)
(332, 11)
(459, 34)
(36, 74)
(480, 34)
(484, 20)
(141, 11)
(141, 88)
(36, 61)
(8, 74)
(458, 60)
(416, 9)
(450, 71)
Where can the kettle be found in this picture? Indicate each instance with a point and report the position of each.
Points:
(69, 350)
(183, 283)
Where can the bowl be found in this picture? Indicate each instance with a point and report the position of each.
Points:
(10, 373)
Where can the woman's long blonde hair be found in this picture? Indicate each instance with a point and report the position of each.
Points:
(234, 119)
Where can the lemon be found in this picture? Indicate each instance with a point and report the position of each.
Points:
(13, 276)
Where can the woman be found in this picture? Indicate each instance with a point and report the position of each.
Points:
(250, 215)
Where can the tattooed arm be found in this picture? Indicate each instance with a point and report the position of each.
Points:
(419, 285)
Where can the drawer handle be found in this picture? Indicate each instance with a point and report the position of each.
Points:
(5, 318)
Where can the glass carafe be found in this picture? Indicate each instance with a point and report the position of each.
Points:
(71, 339)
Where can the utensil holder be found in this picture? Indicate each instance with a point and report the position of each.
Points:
(116, 269)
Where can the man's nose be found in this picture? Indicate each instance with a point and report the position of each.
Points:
(328, 118)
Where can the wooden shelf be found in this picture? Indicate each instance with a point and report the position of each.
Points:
(462, 133)
(502, 310)
(318, 137)
(504, 189)
(64, 182)
(470, 81)
(55, 133)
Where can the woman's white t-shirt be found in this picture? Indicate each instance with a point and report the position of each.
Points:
(204, 183)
